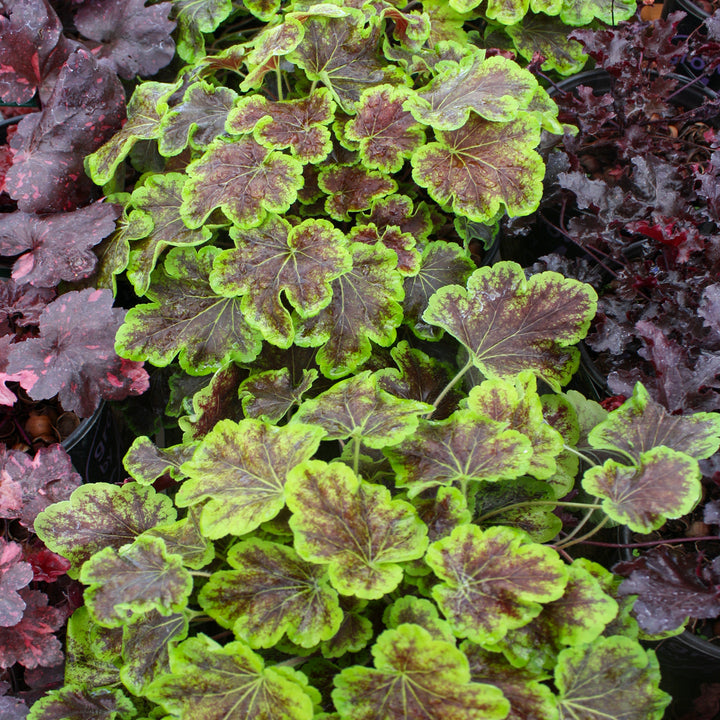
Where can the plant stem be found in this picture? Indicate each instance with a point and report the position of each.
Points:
(582, 456)
(525, 503)
(579, 526)
(450, 386)
(356, 455)
(576, 541)
(199, 573)
(278, 75)
(653, 543)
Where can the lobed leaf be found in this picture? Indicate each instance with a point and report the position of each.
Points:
(14, 576)
(352, 188)
(195, 17)
(146, 462)
(271, 394)
(76, 701)
(184, 538)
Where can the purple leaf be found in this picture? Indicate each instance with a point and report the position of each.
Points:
(21, 305)
(14, 575)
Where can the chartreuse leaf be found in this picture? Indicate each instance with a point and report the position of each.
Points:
(184, 538)
(495, 88)
(144, 113)
(242, 178)
(560, 414)
(195, 17)
(146, 462)
(365, 307)
(442, 511)
(155, 222)
(462, 448)
(271, 394)
(262, 9)
(357, 408)
(239, 471)
(101, 515)
(418, 611)
(510, 324)
(483, 167)
(352, 526)
(145, 648)
(277, 260)
(610, 678)
(403, 243)
(272, 591)
(74, 701)
(493, 580)
(230, 682)
(415, 676)
(517, 405)
(187, 318)
(641, 424)
(664, 484)
(578, 617)
(385, 133)
(268, 46)
(583, 12)
(528, 697)
(355, 631)
(126, 583)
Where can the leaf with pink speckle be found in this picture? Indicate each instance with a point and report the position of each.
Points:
(15, 574)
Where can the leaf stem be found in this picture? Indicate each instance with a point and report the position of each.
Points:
(278, 75)
(653, 543)
(580, 525)
(356, 455)
(450, 386)
(199, 573)
(576, 541)
(525, 503)
(582, 456)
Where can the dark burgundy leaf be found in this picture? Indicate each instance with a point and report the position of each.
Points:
(21, 305)
(86, 107)
(47, 566)
(14, 575)
(74, 355)
(132, 39)
(11, 708)
(59, 244)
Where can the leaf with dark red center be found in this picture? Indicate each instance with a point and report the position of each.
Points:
(493, 580)
(462, 448)
(195, 17)
(144, 113)
(44, 479)
(86, 108)
(184, 538)
(495, 88)
(386, 133)
(613, 677)
(442, 510)
(74, 701)
(101, 515)
(344, 54)
(33, 49)
(510, 324)
(124, 584)
(271, 592)
(403, 244)
(131, 39)
(277, 261)
(243, 179)
(230, 682)
(355, 632)
(398, 210)
(75, 359)
(239, 472)
(15, 574)
(271, 394)
(352, 188)
(418, 611)
(31, 641)
(365, 307)
(353, 527)
(147, 463)
(441, 264)
(197, 120)
(299, 125)
(641, 424)
(59, 245)
(154, 222)
(187, 318)
(483, 168)
(415, 676)
(664, 484)
(357, 408)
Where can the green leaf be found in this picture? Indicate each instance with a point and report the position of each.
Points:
(156, 218)
(355, 631)
(494, 580)
(483, 168)
(495, 88)
(664, 484)
(343, 53)
(144, 113)
(262, 9)
(399, 212)
(239, 470)
(641, 424)
(365, 307)
(243, 179)
(101, 515)
(272, 591)
(386, 134)
(353, 527)
(560, 414)
(357, 408)
(583, 12)
(517, 405)
(187, 318)
(418, 611)
(76, 702)
(352, 188)
(268, 46)
(277, 260)
(510, 324)
(146, 462)
(271, 394)
(146, 644)
(442, 511)
(611, 678)
(184, 538)
(403, 244)
(441, 264)
(462, 448)
(415, 676)
(229, 683)
(195, 17)
(126, 583)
